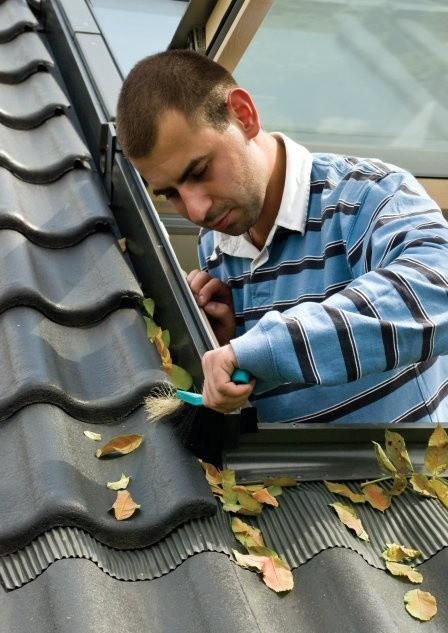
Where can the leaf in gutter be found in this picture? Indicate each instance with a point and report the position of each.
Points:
(275, 491)
(122, 445)
(420, 604)
(180, 377)
(264, 496)
(149, 306)
(212, 474)
(397, 452)
(121, 484)
(349, 518)
(345, 491)
(421, 484)
(247, 501)
(383, 461)
(377, 497)
(93, 436)
(399, 485)
(440, 487)
(124, 506)
(400, 569)
(282, 480)
(246, 534)
(398, 553)
(436, 455)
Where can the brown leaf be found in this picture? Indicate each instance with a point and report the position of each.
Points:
(212, 474)
(246, 534)
(399, 485)
(264, 496)
(122, 444)
(436, 455)
(440, 487)
(383, 461)
(396, 450)
(124, 506)
(399, 553)
(420, 484)
(420, 604)
(377, 497)
(344, 490)
(399, 569)
(349, 518)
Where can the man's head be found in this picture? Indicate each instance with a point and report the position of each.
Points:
(179, 80)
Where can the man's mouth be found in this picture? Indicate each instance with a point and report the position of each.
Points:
(223, 222)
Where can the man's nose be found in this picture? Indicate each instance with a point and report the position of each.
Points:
(197, 204)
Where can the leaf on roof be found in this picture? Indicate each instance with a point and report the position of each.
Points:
(349, 518)
(246, 534)
(247, 501)
(420, 604)
(399, 553)
(120, 484)
(282, 480)
(212, 474)
(436, 455)
(96, 437)
(440, 487)
(124, 506)
(397, 452)
(345, 491)
(383, 461)
(400, 569)
(377, 497)
(180, 377)
(264, 496)
(276, 572)
(399, 485)
(120, 445)
(421, 484)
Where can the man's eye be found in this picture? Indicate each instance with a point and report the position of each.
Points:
(197, 175)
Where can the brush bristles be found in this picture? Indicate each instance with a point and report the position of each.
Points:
(162, 402)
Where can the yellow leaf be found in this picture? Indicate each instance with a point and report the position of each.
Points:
(399, 485)
(396, 450)
(420, 484)
(377, 497)
(400, 569)
(122, 444)
(121, 484)
(282, 480)
(180, 378)
(264, 496)
(212, 474)
(440, 487)
(436, 455)
(246, 500)
(247, 535)
(92, 436)
(122, 244)
(348, 517)
(124, 506)
(420, 604)
(399, 553)
(384, 462)
(344, 491)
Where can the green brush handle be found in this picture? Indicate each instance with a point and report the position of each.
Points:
(239, 376)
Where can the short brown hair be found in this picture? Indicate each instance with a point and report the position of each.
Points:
(181, 80)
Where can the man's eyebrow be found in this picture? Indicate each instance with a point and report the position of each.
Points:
(183, 177)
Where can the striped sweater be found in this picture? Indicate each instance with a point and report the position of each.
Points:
(347, 322)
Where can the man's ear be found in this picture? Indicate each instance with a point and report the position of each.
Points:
(242, 108)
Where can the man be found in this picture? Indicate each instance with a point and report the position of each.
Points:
(324, 276)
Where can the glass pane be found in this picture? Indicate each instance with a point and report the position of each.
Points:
(136, 28)
(361, 77)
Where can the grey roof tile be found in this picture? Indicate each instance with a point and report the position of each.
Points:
(29, 103)
(42, 154)
(15, 17)
(23, 56)
(73, 286)
(55, 214)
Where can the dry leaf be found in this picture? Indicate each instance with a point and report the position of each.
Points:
(282, 480)
(399, 553)
(436, 455)
(247, 535)
(421, 484)
(264, 496)
(247, 501)
(399, 485)
(276, 572)
(440, 487)
(122, 444)
(344, 490)
(420, 604)
(383, 461)
(396, 450)
(212, 474)
(400, 569)
(377, 497)
(124, 506)
(121, 484)
(92, 436)
(349, 518)
(122, 244)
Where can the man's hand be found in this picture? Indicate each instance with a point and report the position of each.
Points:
(215, 298)
(219, 392)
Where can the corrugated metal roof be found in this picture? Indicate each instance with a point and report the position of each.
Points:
(76, 357)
